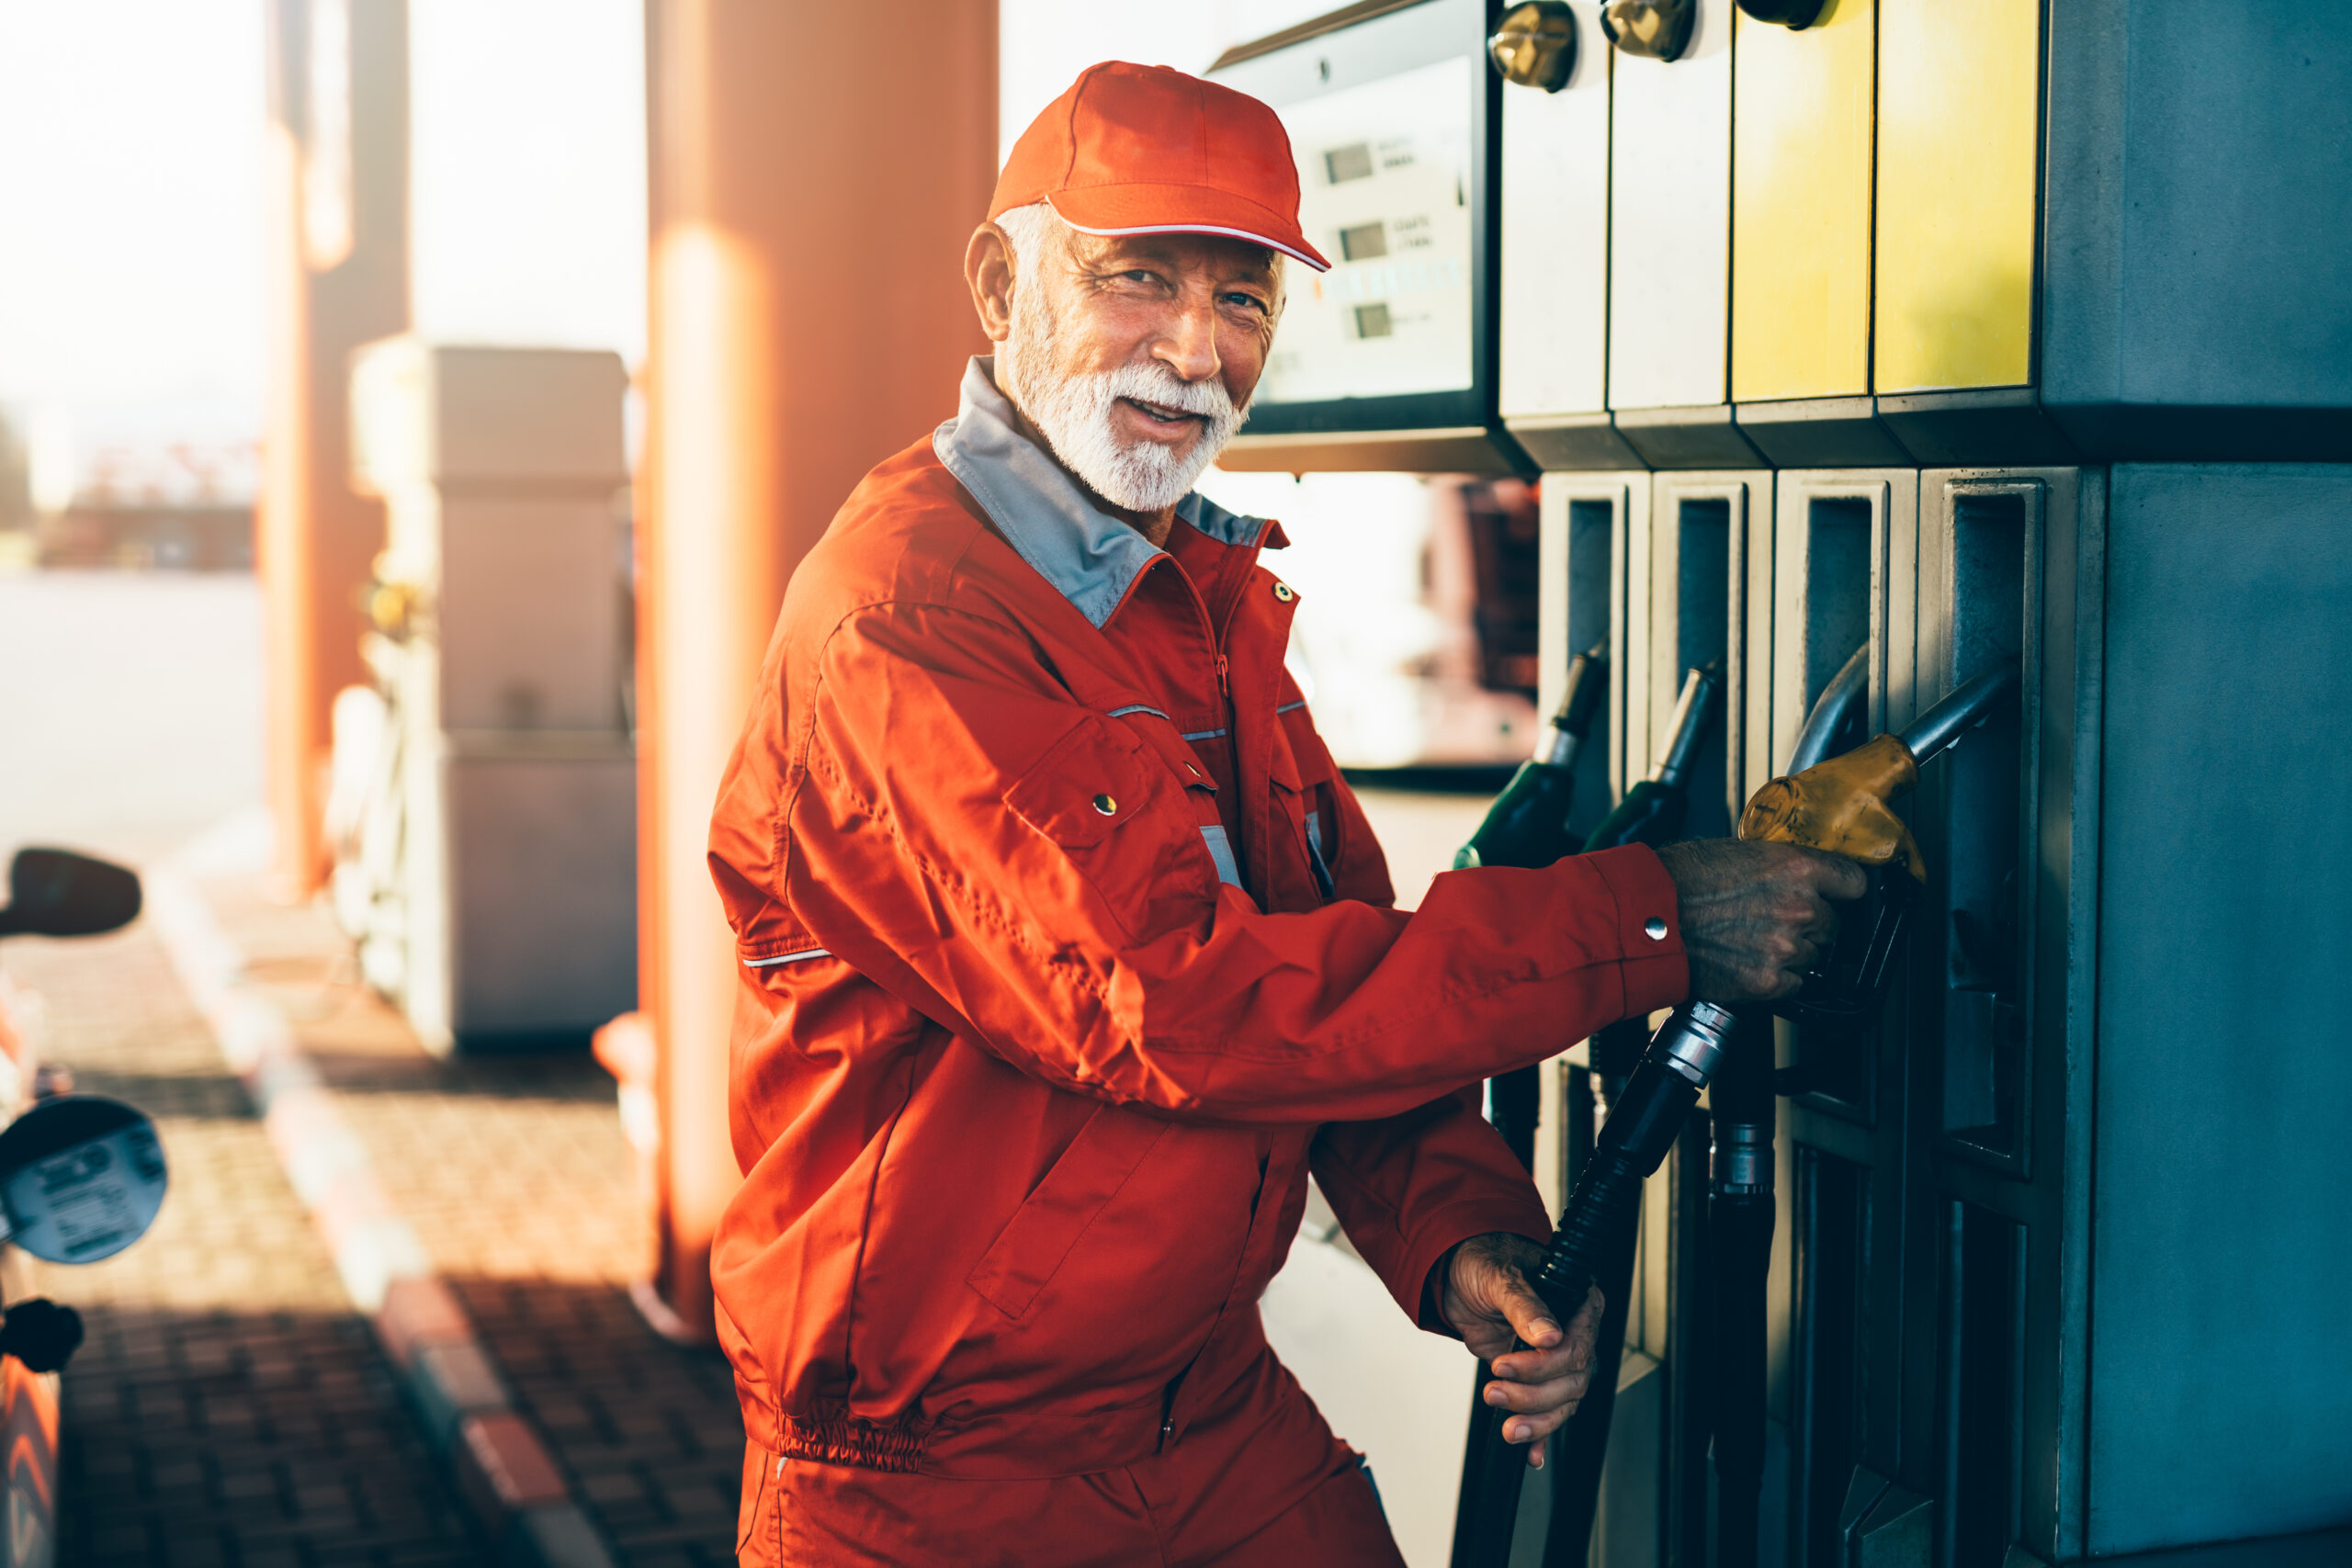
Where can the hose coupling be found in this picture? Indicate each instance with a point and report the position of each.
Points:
(1692, 1041)
(1742, 1159)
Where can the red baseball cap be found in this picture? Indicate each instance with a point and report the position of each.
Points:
(1145, 150)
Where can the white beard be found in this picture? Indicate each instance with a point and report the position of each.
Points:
(1073, 411)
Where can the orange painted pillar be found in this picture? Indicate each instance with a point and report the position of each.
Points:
(336, 197)
(814, 181)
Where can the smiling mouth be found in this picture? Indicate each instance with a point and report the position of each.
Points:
(1161, 414)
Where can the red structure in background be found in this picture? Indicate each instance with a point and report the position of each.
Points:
(337, 199)
(816, 172)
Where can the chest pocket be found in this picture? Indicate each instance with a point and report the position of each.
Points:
(1306, 815)
(1122, 823)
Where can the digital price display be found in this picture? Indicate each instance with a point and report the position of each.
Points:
(1384, 174)
(1394, 125)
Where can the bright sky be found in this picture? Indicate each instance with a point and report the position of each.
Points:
(130, 201)
(130, 163)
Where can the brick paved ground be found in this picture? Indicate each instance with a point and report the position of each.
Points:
(230, 1400)
(228, 1407)
(514, 1175)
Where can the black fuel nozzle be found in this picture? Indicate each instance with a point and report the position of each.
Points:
(1580, 703)
(1652, 810)
(1649, 1116)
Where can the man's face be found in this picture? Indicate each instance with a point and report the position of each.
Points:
(1135, 356)
(1199, 304)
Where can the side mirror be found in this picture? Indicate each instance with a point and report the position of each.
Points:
(59, 893)
(81, 1177)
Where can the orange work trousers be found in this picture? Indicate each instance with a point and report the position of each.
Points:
(1257, 1481)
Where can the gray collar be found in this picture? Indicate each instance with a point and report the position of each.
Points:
(1089, 556)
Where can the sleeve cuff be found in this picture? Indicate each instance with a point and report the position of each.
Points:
(1652, 965)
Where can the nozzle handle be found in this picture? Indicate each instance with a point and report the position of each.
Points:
(1967, 707)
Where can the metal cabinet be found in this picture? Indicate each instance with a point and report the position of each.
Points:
(1554, 272)
(1670, 250)
(490, 880)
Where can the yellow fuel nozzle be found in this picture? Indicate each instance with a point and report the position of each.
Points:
(1842, 805)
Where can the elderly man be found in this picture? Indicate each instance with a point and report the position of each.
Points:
(1068, 956)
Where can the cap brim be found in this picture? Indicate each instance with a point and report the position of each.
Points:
(1181, 209)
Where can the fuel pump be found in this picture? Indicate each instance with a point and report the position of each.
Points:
(1840, 805)
(1651, 813)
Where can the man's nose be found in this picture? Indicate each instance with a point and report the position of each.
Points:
(1188, 341)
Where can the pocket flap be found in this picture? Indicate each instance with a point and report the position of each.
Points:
(1087, 785)
(1082, 1183)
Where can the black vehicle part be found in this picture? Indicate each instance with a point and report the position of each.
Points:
(41, 1334)
(59, 893)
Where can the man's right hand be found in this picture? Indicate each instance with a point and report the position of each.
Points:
(1755, 915)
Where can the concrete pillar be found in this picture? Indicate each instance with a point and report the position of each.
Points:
(336, 197)
(813, 183)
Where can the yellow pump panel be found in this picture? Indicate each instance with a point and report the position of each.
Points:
(1800, 206)
(1959, 82)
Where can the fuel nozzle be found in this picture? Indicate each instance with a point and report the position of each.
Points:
(1689, 723)
(1652, 809)
(1579, 705)
(1599, 1217)
(1527, 824)
(1844, 806)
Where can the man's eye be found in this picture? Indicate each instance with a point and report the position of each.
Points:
(1250, 301)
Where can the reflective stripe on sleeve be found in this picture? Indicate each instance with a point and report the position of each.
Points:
(785, 958)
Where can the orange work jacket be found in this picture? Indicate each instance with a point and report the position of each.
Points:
(1067, 956)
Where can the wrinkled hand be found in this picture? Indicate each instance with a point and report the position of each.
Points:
(1488, 1302)
(1755, 915)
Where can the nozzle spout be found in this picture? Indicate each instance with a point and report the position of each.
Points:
(1689, 724)
(1967, 707)
(1579, 705)
(1838, 711)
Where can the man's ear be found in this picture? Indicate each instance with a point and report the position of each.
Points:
(989, 269)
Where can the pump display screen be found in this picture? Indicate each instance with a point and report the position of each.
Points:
(1390, 119)
(1384, 174)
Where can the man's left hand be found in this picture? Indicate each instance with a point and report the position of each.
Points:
(1489, 1302)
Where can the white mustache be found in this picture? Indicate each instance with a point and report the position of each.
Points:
(1162, 387)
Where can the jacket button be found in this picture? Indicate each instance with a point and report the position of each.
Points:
(1654, 928)
(1106, 805)
(1283, 592)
